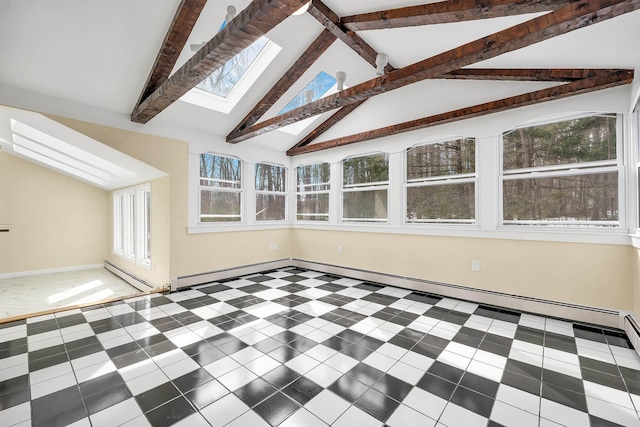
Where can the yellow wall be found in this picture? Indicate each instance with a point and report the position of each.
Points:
(57, 221)
(588, 274)
(636, 280)
(184, 253)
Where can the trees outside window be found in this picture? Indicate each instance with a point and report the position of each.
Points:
(220, 188)
(312, 192)
(271, 192)
(365, 188)
(563, 173)
(441, 182)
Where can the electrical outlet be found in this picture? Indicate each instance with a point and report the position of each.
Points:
(275, 246)
(475, 265)
(339, 249)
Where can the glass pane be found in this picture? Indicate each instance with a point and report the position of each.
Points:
(221, 171)
(361, 170)
(313, 177)
(270, 207)
(147, 225)
(573, 141)
(313, 207)
(270, 177)
(364, 205)
(221, 81)
(444, 158)
(567, 198)
(217, 206)
(433, 202)
(319, 86)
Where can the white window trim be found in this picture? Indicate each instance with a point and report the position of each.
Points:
(442, 180)
(297, 193)
(369, 186)
(222, 190)
(284, 193)
(122, 239)
(573, 169)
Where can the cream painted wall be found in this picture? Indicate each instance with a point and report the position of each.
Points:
(182, 253)
(589, 274)
(636, 280)
(57, 221)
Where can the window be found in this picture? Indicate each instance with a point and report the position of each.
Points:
(225, 78)
(220, 188)
(319, 86)
(312, 195)
(441, 182)
(563, 173)
(271, 193)
(132, 224)
(365, 187)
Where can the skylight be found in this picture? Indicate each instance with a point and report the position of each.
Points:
(225, 78)
(320, 85)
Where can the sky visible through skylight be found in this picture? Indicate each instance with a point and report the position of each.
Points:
(320, 85)
(225, 78)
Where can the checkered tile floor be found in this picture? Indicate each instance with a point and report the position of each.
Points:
(301, 348)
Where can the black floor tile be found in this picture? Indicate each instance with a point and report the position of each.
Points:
(474, 402)
(521, 382)
(393, 387)
(106, 398)
(281, 376)
(191, 380)
(255, 392)
(47, 362)
(277, 408)
(63, 414)
(357, 351)
(59, 400)
(597, 377)
(208, 356)
(157, 396)
(446, 372)
(348, 388)
(170, 412)
(365, 374)
(377, 404)
(480, 384)
(524, 369)
(596, 365)
(436, 385)
(302, 390)
(14, 384)
(98, 385)
(561, 380)
(564, 397)
(15, 397)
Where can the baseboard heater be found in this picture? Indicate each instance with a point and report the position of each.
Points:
(561, 310)
(632, 330)
(227, 273)
(128, 277)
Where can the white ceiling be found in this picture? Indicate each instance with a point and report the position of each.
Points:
(99, 53)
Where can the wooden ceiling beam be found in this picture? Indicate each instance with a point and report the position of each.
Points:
(332, 22)
(306, 60)
(174, 41)
(603, 80)
(574, 16)
(447, 12)
(522, 74)
(252, 23)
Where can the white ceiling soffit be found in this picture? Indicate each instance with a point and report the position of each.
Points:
(41, 140)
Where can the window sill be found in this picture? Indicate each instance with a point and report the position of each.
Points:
(230, 228)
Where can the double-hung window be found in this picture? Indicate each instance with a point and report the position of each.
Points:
(220, 188)
(365, 188)
(441, 182)
(565, 173)
(132, 224)
(271, 192)
(312, 192)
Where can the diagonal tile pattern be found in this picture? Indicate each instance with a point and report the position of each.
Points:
(302, 348)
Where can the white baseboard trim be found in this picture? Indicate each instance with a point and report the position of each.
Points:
(212, 276)
(131, 279)
(575, 312)
(632, 329)
(49, 271)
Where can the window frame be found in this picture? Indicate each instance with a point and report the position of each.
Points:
(438, 181)
(313, 192)
(561, 170)
(368, 186)
(239, 190)
(132, 215)
(284, 193)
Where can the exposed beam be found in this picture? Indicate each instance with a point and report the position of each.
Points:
(561, 21)
(327, 124)
(251, 24)
(446, 12)
(174, 41)
(604, 80)
(522, 74)
(331, 22)
(311, 55)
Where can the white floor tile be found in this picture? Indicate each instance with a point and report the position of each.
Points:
(356, 417)
(323, 375)
(510, 416)
(117, 414)
(303, 418)
(237, 378)
(563, 414)
(404, 416)
(425, 403)
(225, 410)
(457, 416)
(327, 406)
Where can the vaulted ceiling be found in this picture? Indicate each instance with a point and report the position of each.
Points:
(448, 60)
